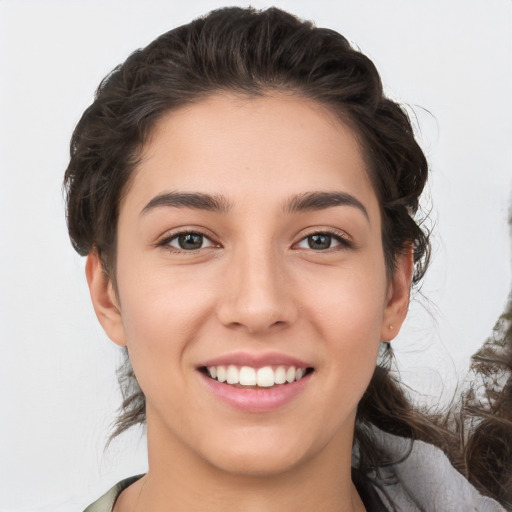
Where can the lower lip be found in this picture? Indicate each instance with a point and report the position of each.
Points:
(256, 400)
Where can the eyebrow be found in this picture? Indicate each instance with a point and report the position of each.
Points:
(309, 201)
(312, 201)
(194, 200)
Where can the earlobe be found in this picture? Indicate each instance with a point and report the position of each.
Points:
(104, 299)
(398, 296)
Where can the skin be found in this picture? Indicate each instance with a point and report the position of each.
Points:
(254, 286)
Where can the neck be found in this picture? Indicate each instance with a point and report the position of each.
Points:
(178, 479)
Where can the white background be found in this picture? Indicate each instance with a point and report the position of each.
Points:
(451, 61)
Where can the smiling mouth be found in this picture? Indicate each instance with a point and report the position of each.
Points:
(250, 377)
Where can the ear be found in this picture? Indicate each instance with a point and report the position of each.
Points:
(398, 295)
(104, 299)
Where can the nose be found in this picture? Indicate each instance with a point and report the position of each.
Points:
(257, 296)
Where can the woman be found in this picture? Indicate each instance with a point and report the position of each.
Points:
(245, 195)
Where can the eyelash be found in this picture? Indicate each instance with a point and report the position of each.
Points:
(165, 242)
(340, 237)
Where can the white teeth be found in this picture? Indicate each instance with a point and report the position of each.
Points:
(221, 374)
(280, 375)
(247, 376)
(264, 377)
(232, 375)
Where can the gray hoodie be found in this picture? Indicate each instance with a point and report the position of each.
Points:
(425, 481)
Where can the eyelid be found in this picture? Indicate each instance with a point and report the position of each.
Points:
(164, 240)
(345, 241)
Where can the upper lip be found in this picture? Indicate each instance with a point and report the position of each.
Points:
(256, 360)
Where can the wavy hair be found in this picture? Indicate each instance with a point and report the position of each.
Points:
(253, 53)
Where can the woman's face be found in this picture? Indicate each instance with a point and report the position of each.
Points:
(249, 248)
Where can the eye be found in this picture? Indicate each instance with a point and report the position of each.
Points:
(189, 241)
(323, 241)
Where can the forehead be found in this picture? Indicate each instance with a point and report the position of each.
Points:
(250, 147)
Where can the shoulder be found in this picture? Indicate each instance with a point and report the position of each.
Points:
(423, 479)
(107, 501)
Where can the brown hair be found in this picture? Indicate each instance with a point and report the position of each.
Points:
(253, 52)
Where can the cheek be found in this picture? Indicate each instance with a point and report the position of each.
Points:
(347, 313)
(160, 301)
(348, 302)
(161, 316)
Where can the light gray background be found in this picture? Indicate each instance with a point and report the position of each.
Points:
(452, 61)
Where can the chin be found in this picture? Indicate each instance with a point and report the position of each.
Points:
(257, 463)
(260, 453)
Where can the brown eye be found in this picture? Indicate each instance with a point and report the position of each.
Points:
(324, 241)
(319, 242)
(190, 241)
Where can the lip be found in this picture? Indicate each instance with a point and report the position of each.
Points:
(255, 399)
(256, 360)
(259, 399)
